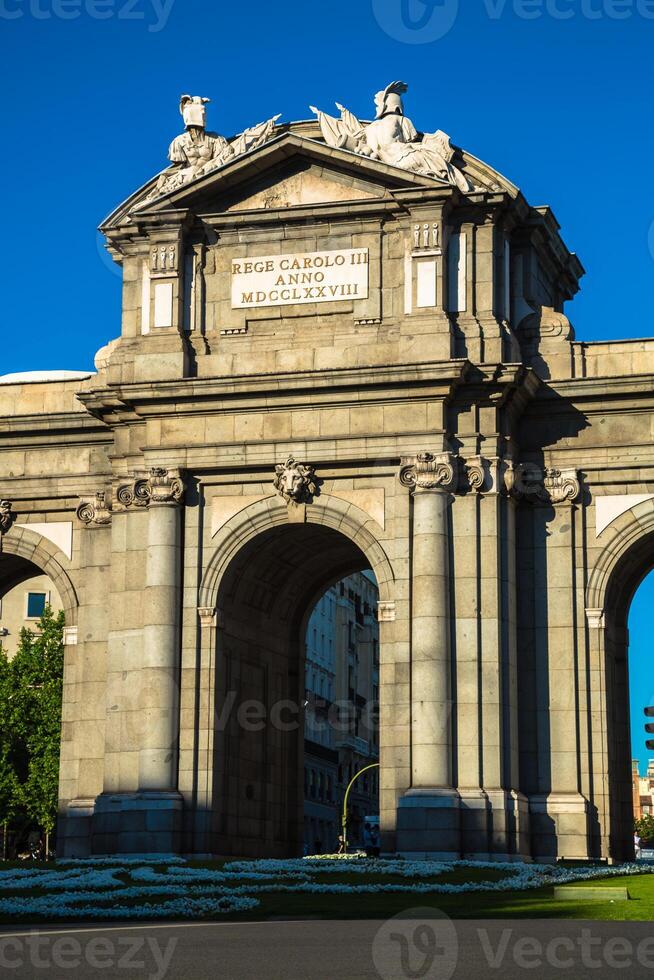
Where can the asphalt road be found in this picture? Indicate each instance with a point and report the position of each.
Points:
(400, 949)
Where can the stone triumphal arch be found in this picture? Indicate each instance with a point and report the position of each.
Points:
(343, 346)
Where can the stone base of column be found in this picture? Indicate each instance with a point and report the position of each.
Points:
(475, 824)
(494, 825)
(429, 824)
(509, 838)
(559, 827)
(74, 829)
(137, 823)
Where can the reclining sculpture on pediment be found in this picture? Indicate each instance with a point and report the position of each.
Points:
(393, 139)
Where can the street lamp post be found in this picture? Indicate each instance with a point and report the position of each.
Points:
(374, 765)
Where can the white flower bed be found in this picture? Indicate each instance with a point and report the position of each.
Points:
(98, 889)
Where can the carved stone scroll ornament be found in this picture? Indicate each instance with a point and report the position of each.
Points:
(295, 482)
(550, 485)
(166, 486)
(393, 139)
(95, 510)
(478, 473)
(161, 486)
(431, 472)
(6, 516)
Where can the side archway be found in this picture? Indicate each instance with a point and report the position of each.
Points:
(625, 558)
(23, 551)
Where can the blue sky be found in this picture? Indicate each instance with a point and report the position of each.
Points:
(554, 93)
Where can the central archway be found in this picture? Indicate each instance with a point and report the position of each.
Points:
(264, 595)
(627, 558)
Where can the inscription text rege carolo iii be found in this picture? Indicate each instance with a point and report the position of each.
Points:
(306, 277)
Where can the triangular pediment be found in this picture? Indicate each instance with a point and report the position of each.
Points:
(301, 182)
(289, 171)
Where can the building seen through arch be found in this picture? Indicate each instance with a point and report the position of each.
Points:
(344, 347)
(341, 730)
(21, 607)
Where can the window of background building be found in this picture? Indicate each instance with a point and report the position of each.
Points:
(35, 605)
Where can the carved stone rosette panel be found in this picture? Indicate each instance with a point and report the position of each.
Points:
(96, 510)
(295, 482)
(549, 486)
(161, 486)
(430, 472)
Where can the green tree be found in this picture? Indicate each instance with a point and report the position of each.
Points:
(34, 687)
(645, 827)
(10, 794)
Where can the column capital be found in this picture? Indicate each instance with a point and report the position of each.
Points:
(428, 471)
(160, 486)
(546, 485)
(95, 511)
(478, 474)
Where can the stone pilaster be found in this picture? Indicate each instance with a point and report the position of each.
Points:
(559, 811)
(141, 805)
(84, 709)
(494, 814)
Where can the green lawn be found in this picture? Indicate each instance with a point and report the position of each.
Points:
(535, 903)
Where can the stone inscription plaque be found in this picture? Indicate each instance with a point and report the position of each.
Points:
(302, 277)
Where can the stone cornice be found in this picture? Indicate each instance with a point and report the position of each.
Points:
(618, 388)
(351, 385)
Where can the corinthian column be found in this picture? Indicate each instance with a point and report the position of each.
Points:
(431, 478)
(428, 820)
(158, 749)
